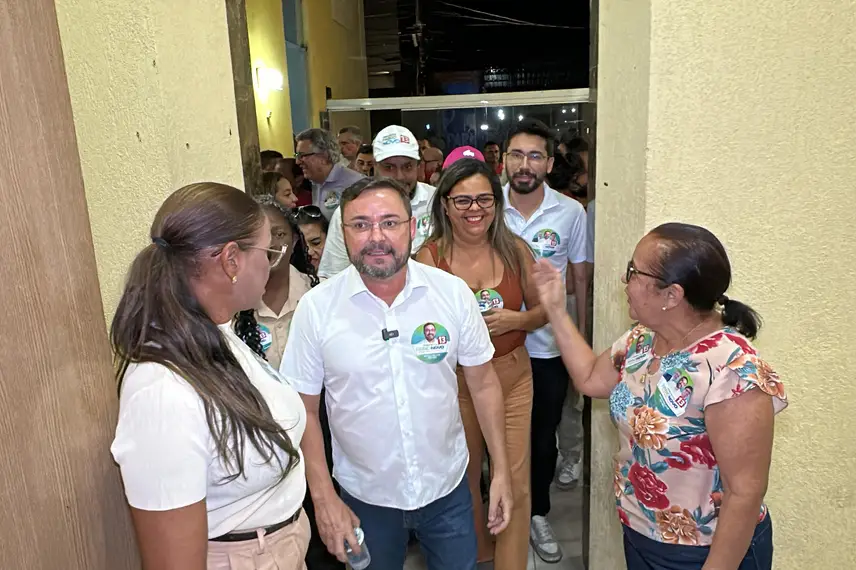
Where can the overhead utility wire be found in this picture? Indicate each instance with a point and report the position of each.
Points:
(505, 19)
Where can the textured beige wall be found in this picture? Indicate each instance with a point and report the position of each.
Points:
(154, 108)
(748, 127)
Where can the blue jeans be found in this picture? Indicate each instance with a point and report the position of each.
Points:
(643, 553)
(444, 528)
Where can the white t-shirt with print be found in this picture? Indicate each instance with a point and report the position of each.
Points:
(557, 232)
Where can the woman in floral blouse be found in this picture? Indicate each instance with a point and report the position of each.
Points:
(692, 400)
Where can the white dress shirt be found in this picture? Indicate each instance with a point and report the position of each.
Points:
(398, 440)
(169, 460)
(335, 257)
(556, 231)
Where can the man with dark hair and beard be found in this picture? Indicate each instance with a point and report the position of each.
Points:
(554, 226)
(399, 448)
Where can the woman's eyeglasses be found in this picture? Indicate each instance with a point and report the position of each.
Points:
(274, 255)
(631, 271)
(466, 202)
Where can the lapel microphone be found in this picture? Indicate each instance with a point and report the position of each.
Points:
(388, 334)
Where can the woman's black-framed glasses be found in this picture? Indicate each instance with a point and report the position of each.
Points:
(631, 271)
(466, 202)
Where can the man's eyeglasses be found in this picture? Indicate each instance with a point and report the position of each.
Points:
(385, 226)
(516, 157)
(466, 202)
(274, 255)
(631, 271)
(303, 155)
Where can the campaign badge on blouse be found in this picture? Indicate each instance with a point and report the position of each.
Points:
(489, 300)
(423, 225)
(640, 350)
(674, 391)
(546, 242)
(266, 337)
(430, 342)
(331, 202)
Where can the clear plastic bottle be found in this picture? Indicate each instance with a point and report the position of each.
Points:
(363, 559)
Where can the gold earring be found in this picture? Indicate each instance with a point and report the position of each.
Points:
(664, 308)
(235, 280)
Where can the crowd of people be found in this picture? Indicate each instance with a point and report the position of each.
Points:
(323, 370)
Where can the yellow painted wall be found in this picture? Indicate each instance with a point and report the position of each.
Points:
(154, 108)
(740, 117)
(336, 58)
(267, 49)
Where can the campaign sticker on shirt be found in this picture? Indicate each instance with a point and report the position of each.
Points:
(423, 225)
(488, 300)
(546, 242)
(265, 336)
(331, 202)
(640, 350)
(430, 342)
(673, 394)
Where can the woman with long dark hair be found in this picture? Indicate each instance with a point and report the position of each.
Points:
(313, 228)
(470, 240)
(692, 400)
(208, 433)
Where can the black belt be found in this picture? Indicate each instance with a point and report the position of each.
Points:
(253, 535)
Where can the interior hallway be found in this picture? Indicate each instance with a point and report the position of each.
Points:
(566, 516)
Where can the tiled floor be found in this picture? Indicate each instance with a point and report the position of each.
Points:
(566, 516)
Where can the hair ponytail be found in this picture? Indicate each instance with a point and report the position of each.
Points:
(740, 316)
(160, 320)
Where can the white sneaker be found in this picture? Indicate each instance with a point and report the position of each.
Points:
(569, 475)
(543, 540)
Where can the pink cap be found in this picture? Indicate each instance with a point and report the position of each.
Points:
(462, 152)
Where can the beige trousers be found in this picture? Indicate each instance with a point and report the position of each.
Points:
(515, 375)
(283, 550)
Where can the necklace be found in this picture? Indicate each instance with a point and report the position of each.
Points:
(680, 342)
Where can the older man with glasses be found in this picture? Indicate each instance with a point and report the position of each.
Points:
(319, 157)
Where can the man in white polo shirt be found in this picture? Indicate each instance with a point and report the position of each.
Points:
(554, 226)
(396, 155)
(384, 338)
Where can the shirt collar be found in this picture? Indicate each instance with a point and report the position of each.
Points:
(549, 201)
(423, 193)
(415, 278)
(335, 174)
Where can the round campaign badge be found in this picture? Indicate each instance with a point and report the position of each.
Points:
(674, 391)
(423, 225)
(488, 300)
(430, 342)
(640, 350)
(546, 242)
(265, 337)
(331, 202)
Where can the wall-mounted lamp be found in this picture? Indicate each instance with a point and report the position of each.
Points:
(269, 79)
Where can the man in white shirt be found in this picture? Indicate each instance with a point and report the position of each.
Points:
(319, 157)
(554, 226)
(396, 155)
(399, 449)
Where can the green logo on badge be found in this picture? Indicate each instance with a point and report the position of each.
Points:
(430, 342)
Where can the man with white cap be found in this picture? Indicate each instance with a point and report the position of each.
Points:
(396, 154)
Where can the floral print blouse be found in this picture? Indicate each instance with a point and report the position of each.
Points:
(667, 483)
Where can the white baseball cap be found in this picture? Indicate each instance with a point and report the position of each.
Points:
(395, 140)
